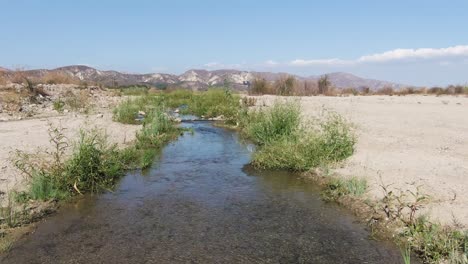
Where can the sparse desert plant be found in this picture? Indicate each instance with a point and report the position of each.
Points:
(59, 105)
(249, 101)
(79, 101)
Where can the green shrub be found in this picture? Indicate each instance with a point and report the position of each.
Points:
(337, 142)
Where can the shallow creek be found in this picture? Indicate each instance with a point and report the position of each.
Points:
(199, 204)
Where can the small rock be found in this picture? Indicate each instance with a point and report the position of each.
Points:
(177, 120)
(176, 111)
(66, 111)
(100, 115)
(141, 113)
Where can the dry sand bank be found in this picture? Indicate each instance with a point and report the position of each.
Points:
(404, 140)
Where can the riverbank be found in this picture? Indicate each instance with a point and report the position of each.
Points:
(405, 142)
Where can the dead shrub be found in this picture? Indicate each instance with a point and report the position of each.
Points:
(11, 101)
(285, 85)
(79, 101)
(352, 91)
(310, 88)
(260, 86)
(365, 90)
(436, 90)
(3, 79)
(58, 78)
(385, 91)
(249, 101)
(324, 84)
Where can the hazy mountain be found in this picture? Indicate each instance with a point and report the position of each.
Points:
(347, 80)
(198, 79)
(3, 69)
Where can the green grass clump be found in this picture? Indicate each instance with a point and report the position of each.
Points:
(127, 111)
(43, 188)
(281, 121)
(134, 90)
(338, 187)
(209, 104)
(94, 166)
(177, 98)
(285, 144)
(436, 243)
(59, 105)
(157, 129)
(214, 103)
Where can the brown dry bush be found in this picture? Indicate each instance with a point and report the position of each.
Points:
(3, 79)
(385, 91)
(347, 91)
(310, 88)
(324, 84)
(435, 90)
(285, 85)
(79, 101)
(365, 90)
(260, 86)
(58, 78)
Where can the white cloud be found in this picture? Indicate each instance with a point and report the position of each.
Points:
(389, 56)
(271, 63)
(301, 62)
(444, 56)
(212, 64)
(217, 65)
(423, 53)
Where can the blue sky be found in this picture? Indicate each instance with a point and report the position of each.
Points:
(413, 42)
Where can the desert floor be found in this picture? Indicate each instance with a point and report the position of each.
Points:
(406, 142)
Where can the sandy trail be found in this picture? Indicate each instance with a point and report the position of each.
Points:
(404, 140)
(31, 135)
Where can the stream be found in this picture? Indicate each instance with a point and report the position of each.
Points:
(199, 203)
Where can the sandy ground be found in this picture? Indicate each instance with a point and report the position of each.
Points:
(407, 141)
(31, 135)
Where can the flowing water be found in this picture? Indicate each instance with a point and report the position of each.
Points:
(199, 204)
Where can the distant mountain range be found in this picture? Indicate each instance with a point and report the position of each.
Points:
(198, 79)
